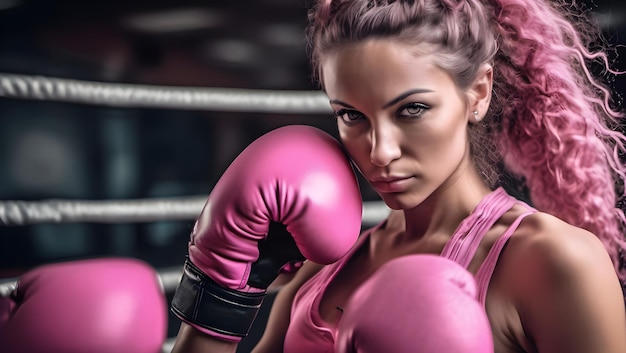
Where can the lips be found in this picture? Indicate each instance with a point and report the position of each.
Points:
(391, 184)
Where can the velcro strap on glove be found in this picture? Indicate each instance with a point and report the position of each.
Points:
(202, 302)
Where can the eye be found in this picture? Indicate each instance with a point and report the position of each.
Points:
(413, 110)
(349, 117)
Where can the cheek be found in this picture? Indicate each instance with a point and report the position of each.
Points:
(447, 130)
(444, 148)
(356, 144)
(437, 142)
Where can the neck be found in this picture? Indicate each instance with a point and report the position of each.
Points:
(442, 212)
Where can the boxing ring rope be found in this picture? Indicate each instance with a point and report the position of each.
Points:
(167, 97)
(16, 213)
(29, 87)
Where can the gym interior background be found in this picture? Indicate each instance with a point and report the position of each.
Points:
(88, 152)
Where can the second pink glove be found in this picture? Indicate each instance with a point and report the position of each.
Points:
(415, 304)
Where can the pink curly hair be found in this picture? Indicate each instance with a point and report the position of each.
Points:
(558, 135)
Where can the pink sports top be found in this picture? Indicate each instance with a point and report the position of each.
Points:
(308, 333)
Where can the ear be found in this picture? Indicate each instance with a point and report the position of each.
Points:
(479, 93)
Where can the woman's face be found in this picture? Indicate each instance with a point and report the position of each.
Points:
(401, 118)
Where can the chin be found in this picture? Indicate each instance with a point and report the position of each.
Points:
(401, 201)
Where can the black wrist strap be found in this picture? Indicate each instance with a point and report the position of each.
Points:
(201, 301)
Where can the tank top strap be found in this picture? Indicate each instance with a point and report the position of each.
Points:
(463, 244)
(485, 271)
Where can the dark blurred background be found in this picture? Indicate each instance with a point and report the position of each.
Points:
(73, 151)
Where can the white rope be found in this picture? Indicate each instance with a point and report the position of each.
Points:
(168, 97)
(102, 211)
(17, 213)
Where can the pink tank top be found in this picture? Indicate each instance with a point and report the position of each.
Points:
(308, 333)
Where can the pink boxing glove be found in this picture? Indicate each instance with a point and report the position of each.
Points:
(95, 306)
(415, 304)
(291, 194)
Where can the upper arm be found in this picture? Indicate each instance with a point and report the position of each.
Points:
(572, 300)
(191, 340)
(278, 321)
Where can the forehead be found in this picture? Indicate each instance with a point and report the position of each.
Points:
(382, 64)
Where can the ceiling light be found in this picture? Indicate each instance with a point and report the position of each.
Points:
(283, 35)
(175, 20)
(233, 51)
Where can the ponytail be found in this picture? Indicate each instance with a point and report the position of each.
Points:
(558, 132)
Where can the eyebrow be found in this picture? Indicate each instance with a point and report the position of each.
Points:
(337, 101)
(391, 102)
(404, 95)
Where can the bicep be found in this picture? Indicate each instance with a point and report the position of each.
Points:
(278, 321)
(574, 302)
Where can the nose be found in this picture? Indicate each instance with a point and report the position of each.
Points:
(385, 145)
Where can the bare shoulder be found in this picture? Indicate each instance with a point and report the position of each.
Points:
(566, 289)
(550, 254)
(555, 245)
(551, 247)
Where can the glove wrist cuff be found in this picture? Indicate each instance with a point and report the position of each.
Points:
(200, 301)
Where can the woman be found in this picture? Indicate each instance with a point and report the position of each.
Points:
(439, 103)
